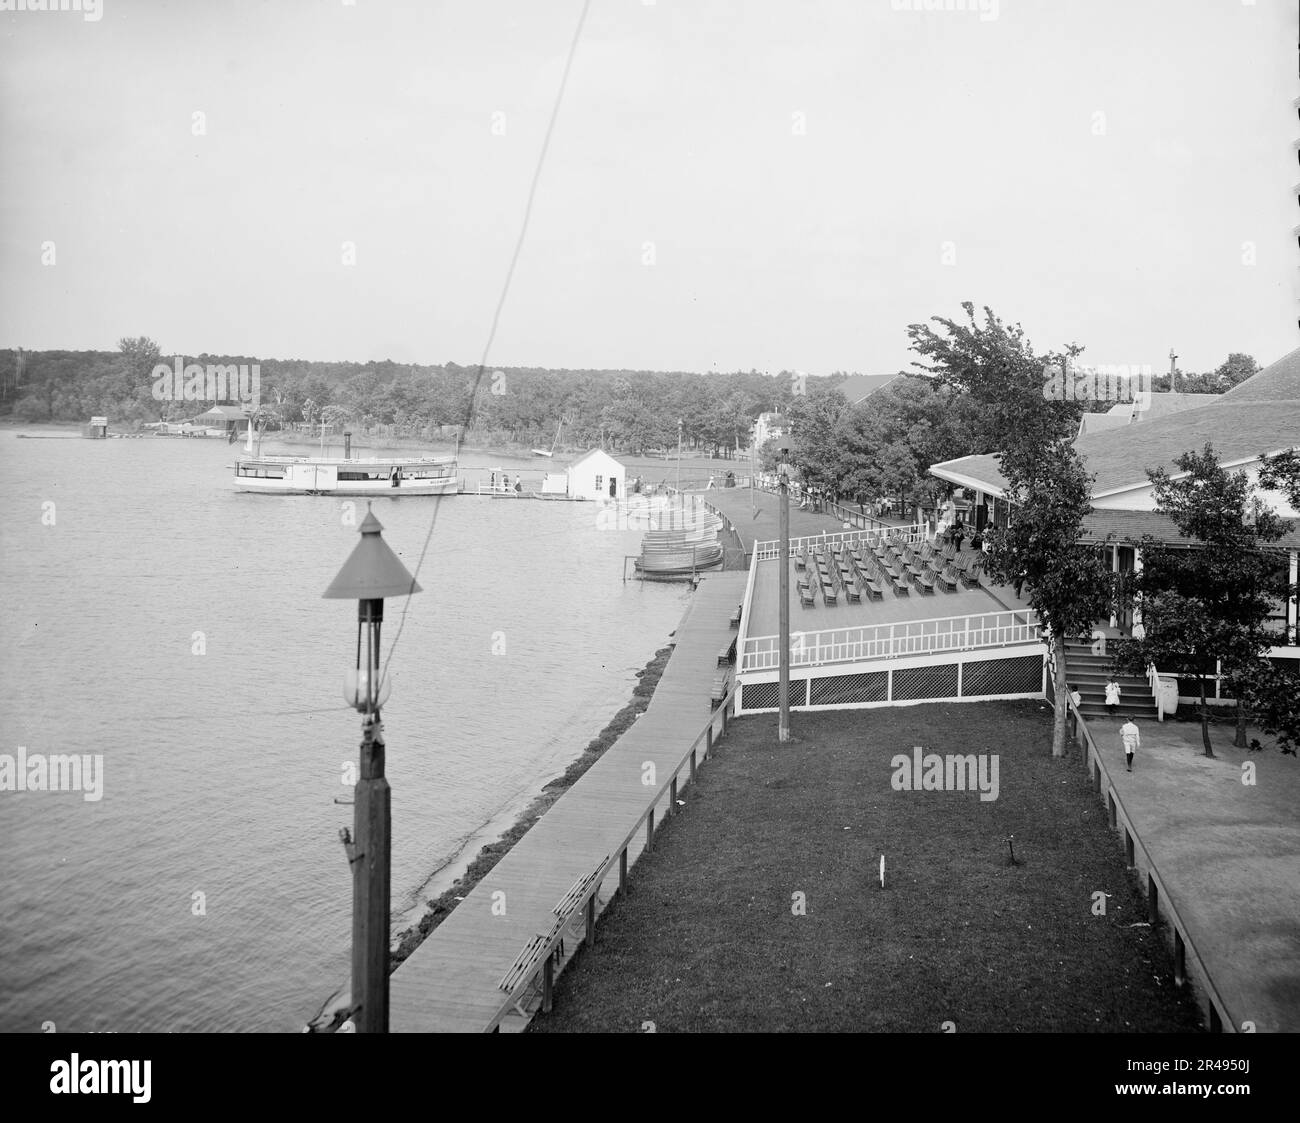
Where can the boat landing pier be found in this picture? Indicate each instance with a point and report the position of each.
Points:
(470, 972)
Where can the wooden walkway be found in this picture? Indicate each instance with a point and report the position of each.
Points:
(450, 983)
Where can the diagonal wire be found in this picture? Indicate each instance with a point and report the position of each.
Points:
(496, 316)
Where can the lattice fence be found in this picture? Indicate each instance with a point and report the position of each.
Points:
(841, 690)
(911, 683)
(1003, 676)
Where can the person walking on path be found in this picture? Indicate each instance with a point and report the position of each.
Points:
(518, 484)
(1112, 695)
(1128, 733)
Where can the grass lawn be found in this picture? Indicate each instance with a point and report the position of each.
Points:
(707, 938)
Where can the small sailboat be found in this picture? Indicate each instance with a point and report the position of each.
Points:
(542, 451)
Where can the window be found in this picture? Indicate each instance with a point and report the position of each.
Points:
(600, 481)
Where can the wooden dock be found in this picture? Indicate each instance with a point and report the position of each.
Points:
(451, 982)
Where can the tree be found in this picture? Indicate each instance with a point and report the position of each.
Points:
(1209, 603)
(1047, 486)
(1273, 695)
(1235, 369)
(1070, 585)
(1282, 472)
(996, 366)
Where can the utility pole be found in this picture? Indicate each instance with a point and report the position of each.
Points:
(372, 820)
(783, 596)
(680, 422)
(1173, 370)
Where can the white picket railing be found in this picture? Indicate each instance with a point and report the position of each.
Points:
(766, 551)
(891, 641)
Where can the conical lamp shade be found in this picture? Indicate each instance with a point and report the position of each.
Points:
(372, 571)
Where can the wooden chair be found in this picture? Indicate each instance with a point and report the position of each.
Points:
(948, 579)
(925, 583)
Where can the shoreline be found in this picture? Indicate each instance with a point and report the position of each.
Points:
(440, 907)
(472, 870)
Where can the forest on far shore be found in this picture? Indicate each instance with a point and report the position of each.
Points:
(880, 446)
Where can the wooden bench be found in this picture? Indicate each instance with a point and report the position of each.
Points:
(566, 904)
(852, 595)
(727, 652)
(901, 587)
(735, 616)
(524, 961)
(948, 579)
(828, 595)
(925, 583)
(971, 576)
(719, 688)
(806, 596)
(871, 589)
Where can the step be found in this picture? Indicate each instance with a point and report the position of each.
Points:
(1094, 709)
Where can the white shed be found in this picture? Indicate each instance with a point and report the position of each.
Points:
(597, 475)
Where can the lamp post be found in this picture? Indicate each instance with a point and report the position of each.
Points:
(371, 573)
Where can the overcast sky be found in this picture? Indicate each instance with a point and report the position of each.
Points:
(777, 184)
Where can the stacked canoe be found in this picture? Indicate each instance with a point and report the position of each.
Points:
(687, 546)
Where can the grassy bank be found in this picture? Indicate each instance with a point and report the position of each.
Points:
(710, 938)
(440, 908)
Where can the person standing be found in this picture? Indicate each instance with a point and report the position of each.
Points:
(1112, 695)
(518, 484)
(492, 481)
(1132, 738)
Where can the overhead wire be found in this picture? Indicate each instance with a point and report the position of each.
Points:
(501, 300)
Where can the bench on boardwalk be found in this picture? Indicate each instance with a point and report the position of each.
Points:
(524, 962)
(901, 587)
(806, 596)
(727, 652)
(720, 682)
(735, 616)
(948, 579)
(851, 594)
(925, 583)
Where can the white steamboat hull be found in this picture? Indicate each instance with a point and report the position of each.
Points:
(350, 487)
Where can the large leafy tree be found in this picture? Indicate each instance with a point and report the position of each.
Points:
(996, 367)
(1070, 585)
(1208, 603)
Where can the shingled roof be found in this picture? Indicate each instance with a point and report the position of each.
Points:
(1277, 382)
(859, 387)
(1261, 415)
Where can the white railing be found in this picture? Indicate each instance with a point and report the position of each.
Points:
(765, 551)
(892, 641)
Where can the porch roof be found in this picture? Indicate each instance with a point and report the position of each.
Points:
(1130, 526)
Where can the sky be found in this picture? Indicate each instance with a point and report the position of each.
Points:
(773, 184)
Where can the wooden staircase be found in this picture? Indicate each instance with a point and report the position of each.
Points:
(1087, 673)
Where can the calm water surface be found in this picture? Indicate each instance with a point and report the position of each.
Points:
(221, 768)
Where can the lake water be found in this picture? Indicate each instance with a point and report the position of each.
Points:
(156, 617)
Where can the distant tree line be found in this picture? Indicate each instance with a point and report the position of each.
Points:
(622, 410)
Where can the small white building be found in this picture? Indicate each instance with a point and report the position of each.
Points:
(597, 475)
(767, 426)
